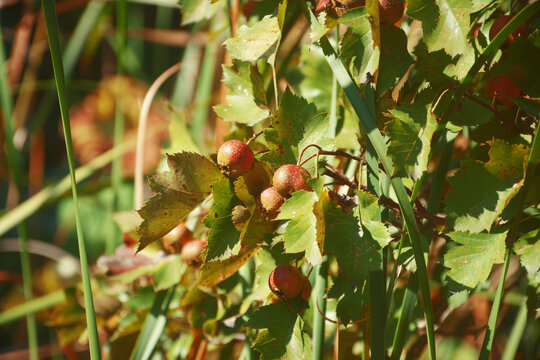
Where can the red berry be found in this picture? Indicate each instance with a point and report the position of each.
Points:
(500, 23)
(502, 87)
(271, 201)
(175, 239)
(288, 282)
(235, 158)
(290, 178)
(256, 179)
(390, 11)
(191, 251)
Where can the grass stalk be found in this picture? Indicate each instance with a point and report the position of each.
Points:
(154, 324)
(53, 36)
(376, 280)
(321, 283)
(402, 327)
(512, 344)
(32, 306)
(511, 237)
(119, 122)
(14, 166)
(72, 52)
(203, 91)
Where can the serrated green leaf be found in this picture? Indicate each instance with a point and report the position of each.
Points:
(245, 96)
(214, 272)
(283, 337)
(223, 235)
(481, 191)
(411, 132)
(470, 262)
(357, 43)
(445, 23)
(256, 42)
(295, 125)
(178, 191)
(368, 207)
(356, 251)
(350, 299)
(528, 248)
(305, 230)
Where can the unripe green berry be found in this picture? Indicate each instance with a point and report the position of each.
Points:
(235, 158)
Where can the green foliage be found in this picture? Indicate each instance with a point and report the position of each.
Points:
(178, 191)
(481, 191)
(528, 248)
(245, 98)
(471, 262)
(399, 111)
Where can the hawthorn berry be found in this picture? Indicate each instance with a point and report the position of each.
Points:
(192, 250)
(290, 178)
(500, 23)
(235, 158)
(502, 87)
(175, 239)
(271, 201)
(288, 282)
(390, 11)
(256, 179)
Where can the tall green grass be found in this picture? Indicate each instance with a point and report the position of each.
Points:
(49, 11)
(14, 165)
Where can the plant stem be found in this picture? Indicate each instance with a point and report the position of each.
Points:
(14, 163)
(512, 344)
(321, 282)
(53, 35)
(119, 121)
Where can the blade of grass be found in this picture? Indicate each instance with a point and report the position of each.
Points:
(247, 275)
(374, 135)
(376, 280)
(512, 235)
(321, 283)
(187, 77)
(53, 36)
(119, 124)
(203, 92)
(33, 306)
(402, 327)
(54, 192)
(14, 162)
(161, 53)
(72, 52)
(154, 324)
(512, 344)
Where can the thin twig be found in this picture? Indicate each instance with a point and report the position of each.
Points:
(143, 117)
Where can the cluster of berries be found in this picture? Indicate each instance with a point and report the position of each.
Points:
(235, 158)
